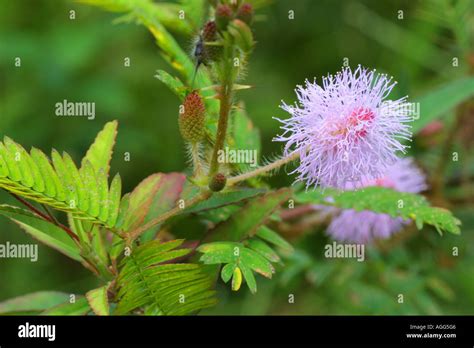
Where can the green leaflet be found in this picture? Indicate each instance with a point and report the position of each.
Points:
(118, 244)
(100, 153)
(249, 218)
(220, 199)
(168, 289)
(249, 278)
(33, 303)
(103, 189)
(139, 202)
(80, 306)
(103, 202)
(246, 222)
(66, 180)
(240, 260)
(42, 230)
(100, 247)
(173, 83)
(94, 174)
(438, 102)
(386, 201)
(53, 187)
(60, 186)
(227, 272)
(21, 158)
(123, 211)
(91, 185)
(256, 262)
(115, 194)
(155, 195)
(165, 195)
(236, 279)
(14, 160)
(98, 300)
(262, 248)
(274, 238)
(76, 181)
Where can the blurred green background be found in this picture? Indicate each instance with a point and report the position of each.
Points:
(83, 60)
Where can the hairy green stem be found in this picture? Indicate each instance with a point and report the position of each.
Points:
(262, 170)
(197, 167)
(226, 104)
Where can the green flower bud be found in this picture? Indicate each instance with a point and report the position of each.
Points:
(223, 16)
(191, 118)
(242, 34)
(245, 13)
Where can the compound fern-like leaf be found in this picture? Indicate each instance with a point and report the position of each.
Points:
(83, 193)
(149, 280)
(384, 200)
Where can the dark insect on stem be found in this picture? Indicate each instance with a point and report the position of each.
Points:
(199, 56)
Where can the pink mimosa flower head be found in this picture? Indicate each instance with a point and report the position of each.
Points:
(345, 130)
(364, 226)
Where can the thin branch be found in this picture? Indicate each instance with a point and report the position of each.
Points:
(30, 206)
(261, 170)
(197, 166)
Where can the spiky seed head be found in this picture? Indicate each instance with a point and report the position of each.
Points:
(246, 13)
(191, 118)
(223, 16)
(218, 182)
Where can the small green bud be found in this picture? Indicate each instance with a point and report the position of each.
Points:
(223, 16)
(245, 13)
(191, 118)
(242, 34)
(218, 182)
